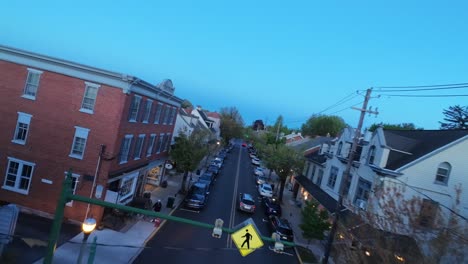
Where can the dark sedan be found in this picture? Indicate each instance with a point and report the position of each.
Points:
(282, 227)
(272, 206)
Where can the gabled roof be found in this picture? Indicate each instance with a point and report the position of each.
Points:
(213, 115)
(311, 143)
(409, 145)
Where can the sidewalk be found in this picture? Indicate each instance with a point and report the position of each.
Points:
(122, 247)
(293, 214)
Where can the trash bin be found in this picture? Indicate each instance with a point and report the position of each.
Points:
(170, 202)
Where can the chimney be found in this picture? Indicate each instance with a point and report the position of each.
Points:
(199, 108)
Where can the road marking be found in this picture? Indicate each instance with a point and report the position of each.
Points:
(188, 210)
(234, 201)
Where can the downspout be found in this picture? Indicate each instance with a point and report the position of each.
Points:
(95, 178)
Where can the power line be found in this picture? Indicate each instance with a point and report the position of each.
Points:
(421, 86)
(423, 89)
(340, 102)
(346, 108)
(427, 95)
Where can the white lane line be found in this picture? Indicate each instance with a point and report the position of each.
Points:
(234, 200)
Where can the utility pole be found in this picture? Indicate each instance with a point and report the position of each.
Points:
(346, 173)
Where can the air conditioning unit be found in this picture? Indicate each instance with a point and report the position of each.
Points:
(361, 204)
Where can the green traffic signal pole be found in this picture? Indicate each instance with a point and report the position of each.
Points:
(66, 196)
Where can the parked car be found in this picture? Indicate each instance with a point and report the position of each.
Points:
(222, 155)
(244, 144)
(272, 206)
(265, 190)
(218, 162)
(282, 227)
(213, 169)
(261, 180)
(197, 196)
(256, 161)
(258, 171)
(246, 203)
(207, 178)
(252, 155)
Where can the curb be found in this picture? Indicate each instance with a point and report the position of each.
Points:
(298, 256)
(132, 259)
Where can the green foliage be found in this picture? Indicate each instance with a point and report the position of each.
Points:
(314, 221)
(283, 160)
(231, 123)
(402, 126)
(322, 125)
(188, 152)
(186, 104)
(456, 117)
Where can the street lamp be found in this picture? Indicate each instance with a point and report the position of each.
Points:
(88, 227)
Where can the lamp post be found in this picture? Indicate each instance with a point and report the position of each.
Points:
(88, 227)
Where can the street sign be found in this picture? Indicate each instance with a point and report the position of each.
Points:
(247, 239)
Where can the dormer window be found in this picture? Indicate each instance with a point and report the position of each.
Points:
(443, 173)
(371, 156)
(340, 146)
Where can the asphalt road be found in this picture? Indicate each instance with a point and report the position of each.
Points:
(183, 243)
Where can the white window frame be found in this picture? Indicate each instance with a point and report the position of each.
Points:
(149, 150)
(135, 105)
(139, 147)
(447, 167)
(127, 138)
(167, 142)
(89, 85)
(18, 176)
(371, 157)
(161, 141)
(332, 177)
(75, 181)
(148, 107)
(166, 114)
(80, 132)
(157, 114)
(23, 118)
(32, 71)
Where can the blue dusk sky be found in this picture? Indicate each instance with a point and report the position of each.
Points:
(266, 58)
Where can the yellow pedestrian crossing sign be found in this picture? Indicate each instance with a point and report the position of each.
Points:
(247, 239)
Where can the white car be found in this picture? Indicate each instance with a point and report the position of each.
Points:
(259, 171)
(256, 161)
(265, 190)
(252, 155)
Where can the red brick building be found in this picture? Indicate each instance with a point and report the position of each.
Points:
(111, 129)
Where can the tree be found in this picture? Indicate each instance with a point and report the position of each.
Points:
(188, 152)
(456, 117)
(186, 104)
(231, 123)
(402, 126)
(314, 221)
(323, 125)
(284, 161)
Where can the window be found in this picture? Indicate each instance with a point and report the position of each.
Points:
(167, 142)
(149, 104)
(125, 148)
(428, 213)
(371, 157)
(306, 170)
(340, 146)
(18, 175)
(139, 146)
(32, 84)
(74, 183)
(79, 142)
(157, 115)
(160, 144)
(89, 98)
(319, 177)
(443, 173)
(173, 116)
(156, 144)
(363, 189)
(149, 150)
(332, 178)
(134, 107)
(22, 128)
(164, 111)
